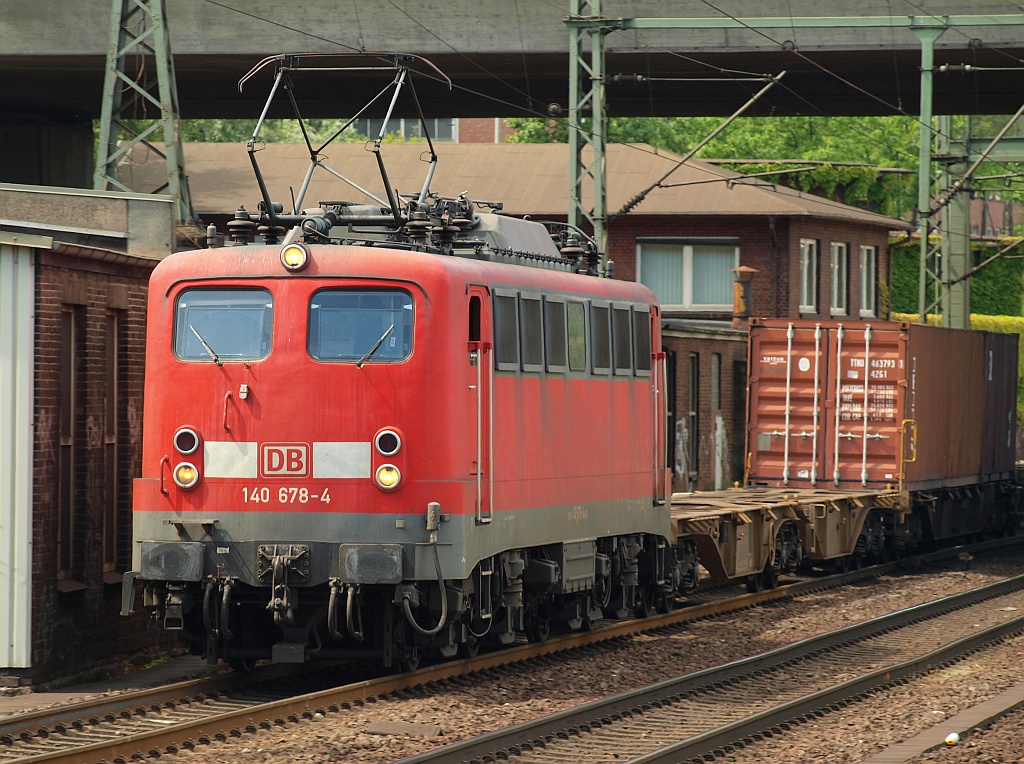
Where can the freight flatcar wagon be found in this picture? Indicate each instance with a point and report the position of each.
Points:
(863, 439)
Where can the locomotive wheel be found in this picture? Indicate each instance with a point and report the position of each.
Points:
(841, 565)
(755, 583)
(665, 603)
(244, 665)
(642, 606)
(470, 648)
(539, 630)
(411, 658)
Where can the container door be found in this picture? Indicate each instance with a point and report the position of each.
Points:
(481, 382)
(786, 404)
(866, 390)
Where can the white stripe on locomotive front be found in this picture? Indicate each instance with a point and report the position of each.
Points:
(232, 459)
(341, 460)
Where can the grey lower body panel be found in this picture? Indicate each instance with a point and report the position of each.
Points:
(366, 548)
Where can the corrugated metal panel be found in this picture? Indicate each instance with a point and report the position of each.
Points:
(1000, 419)
(16, 358)
(828, 401)
(946, 399)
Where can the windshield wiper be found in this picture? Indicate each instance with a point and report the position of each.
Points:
(376, 345)
(214, 356)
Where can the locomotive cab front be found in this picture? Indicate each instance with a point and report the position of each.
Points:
(285, 417)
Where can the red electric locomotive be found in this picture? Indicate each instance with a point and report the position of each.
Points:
(376, 432)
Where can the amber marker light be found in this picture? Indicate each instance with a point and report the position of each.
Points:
(186, 475)
(294, 257)
(388, 477)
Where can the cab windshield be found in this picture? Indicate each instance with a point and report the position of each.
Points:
(223, 325)
(360, 325)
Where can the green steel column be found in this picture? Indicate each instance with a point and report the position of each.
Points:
(138, 29)
(927, 36)
(587, 91)
(956, 224)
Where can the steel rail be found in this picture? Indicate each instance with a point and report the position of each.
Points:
(87, 714)
(712, 741)
(502, 743)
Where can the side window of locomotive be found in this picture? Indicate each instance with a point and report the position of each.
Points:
(361, 325)
(531, 333)
(506, 331)
(600, 338)
(555, 348)
(577, 326)
(642, 340)
(622, 332)
(223, 325)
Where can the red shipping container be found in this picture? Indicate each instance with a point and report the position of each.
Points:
(877, 404)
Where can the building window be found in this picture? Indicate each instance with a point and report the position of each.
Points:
(808, 276)
(693, 419)
(716, 381)
(112, 548)
(868, 280)
(840, 279)
(69, 477)
(444, 129)
(688, 276)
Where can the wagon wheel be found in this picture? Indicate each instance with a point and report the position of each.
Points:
(244, 665)
(769, 576)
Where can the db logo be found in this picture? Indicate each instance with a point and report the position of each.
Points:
(284, 460)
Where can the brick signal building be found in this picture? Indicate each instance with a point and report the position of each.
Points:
(74, 269)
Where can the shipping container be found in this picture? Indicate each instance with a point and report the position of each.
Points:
(878, 404)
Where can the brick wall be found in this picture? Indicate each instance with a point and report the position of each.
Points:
(76, 626)
(481, 130)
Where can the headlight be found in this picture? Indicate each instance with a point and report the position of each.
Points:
(294, 257)
(388, 476)
(186, 441)
(186, 475)
(387, 442)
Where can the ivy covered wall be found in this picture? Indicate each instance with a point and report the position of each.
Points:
(996, 290)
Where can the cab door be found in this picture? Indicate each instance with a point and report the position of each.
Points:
(480, 377)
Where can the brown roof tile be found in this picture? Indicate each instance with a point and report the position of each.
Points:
(528, 178)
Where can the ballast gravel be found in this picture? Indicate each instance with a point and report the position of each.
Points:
(467, 708)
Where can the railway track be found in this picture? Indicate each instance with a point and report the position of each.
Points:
(708, 712)
(187, 714)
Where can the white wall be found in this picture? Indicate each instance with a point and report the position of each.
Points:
(17, 318)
